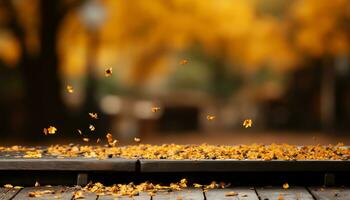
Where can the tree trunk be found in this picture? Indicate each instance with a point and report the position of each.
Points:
(90, 103)
(42, 99)
(327, 98)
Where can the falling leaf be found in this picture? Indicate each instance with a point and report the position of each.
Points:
(86, 139)
(285, 186)
(93, 115)
(247, 123)
(109, 138)
(51, 130)
(70, 89)
(91, 127)
(79, 131)
(184, 62)
(37, 184)
(108, 72)
(136, 139)
(155, 109)
(230, 194)
(113, 143)
(98, 140)
(210, 117)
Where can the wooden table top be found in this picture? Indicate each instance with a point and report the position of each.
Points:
(241, 193)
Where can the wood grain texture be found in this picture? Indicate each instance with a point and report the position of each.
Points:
(58, 192)
(141, 196)
(6, 194)
(330, 193)
(3, 192)
(90, 196)
(293, 193)
(159, 165)
(69, 164)
(243, 193)
(186, 194)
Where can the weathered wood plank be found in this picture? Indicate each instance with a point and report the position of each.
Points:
(90, 196)
(10, 194)
(3, 192)
(293, 193)
(141, 196)
(6, 194)
(57, 192)
(242, 194)
(230, 165)
(10, 154)
(186, 194)
(330, 193)
(69, 164)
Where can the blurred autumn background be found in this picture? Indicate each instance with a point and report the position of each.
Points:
(283, 64)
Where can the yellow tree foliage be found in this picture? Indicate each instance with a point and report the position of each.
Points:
(321, 26)
(143, 38)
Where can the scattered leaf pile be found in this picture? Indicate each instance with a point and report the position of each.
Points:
(132, 189)
(193, 152)
(129, 189)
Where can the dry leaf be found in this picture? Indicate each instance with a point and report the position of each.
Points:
(91, 127)
(285, 186)
(210, 117)
(40, 193)
(184, 62)
(155, 109)
(109, 138)
(78, 195)
(51, 130)
(230, 194)
(93, 115)
(108, 72)
(70, 89)
(247, 123)
(8, 186)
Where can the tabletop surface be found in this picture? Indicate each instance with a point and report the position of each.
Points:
(234, 193)
(15, 161)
